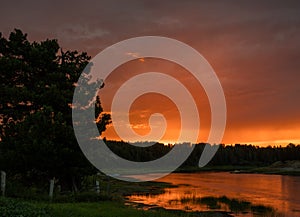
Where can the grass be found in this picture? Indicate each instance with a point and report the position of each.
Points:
(18, 208)
(105, 209)
(114, 186)
(234, 205)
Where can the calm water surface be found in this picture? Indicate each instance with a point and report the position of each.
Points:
(279, 192)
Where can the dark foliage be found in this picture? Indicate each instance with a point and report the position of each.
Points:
(37, 85)
(239, 155)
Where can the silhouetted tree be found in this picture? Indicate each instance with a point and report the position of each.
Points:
(37, 84)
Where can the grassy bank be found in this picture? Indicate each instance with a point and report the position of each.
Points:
(110, 202)
(16, 208)
(232, 204)
(291, 168)
(219, 168)
(33, 202)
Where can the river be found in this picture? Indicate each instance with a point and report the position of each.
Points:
(280, 192)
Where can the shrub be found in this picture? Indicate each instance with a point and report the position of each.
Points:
(16, 208)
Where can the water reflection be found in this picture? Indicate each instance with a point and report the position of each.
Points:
(279, 192)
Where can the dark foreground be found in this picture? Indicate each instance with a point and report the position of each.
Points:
(16, 208)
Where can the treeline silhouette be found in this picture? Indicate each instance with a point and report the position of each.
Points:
(244, 155)
(238, 154)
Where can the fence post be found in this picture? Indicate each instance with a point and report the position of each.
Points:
(97, 187)
(3, 183)
(51, 188)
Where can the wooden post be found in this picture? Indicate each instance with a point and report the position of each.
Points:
(51, 188)
(3, 183)
(97, 187)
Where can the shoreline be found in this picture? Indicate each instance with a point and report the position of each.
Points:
(129, 208)
(289, 168)
(156, 208)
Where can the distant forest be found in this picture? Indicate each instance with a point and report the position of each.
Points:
(240, 155)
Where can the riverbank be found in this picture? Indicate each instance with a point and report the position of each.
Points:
(15, 208)
(216, 206)
(112, 199)
(291, 168)
(110, 202)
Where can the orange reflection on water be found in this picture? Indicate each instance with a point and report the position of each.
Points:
(279, 192)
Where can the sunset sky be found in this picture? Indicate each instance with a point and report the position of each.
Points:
(253, 46)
